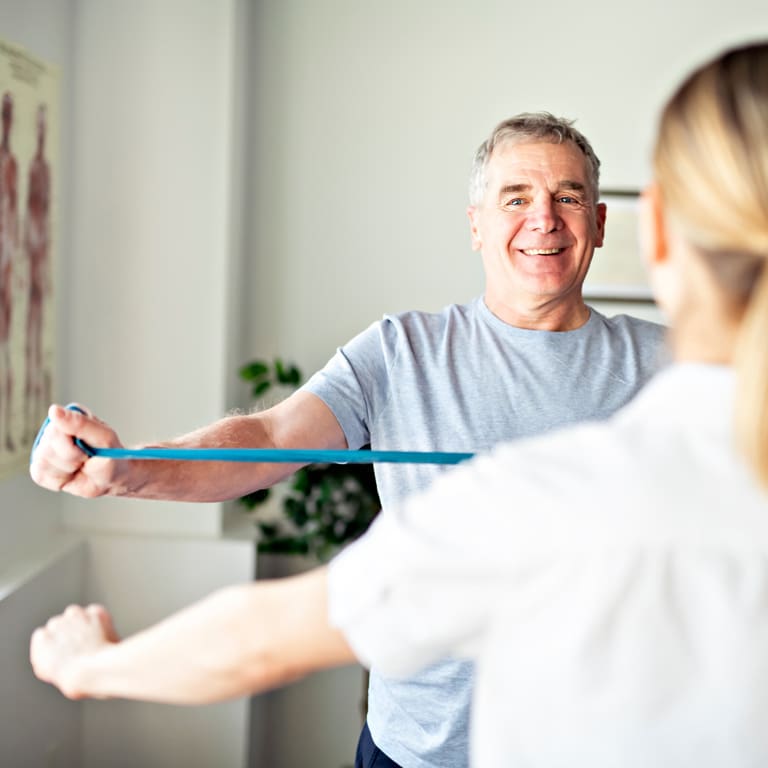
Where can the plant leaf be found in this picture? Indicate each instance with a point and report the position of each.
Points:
(253, 370)
(261, 387)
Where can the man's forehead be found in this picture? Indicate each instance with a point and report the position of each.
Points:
(539, 151)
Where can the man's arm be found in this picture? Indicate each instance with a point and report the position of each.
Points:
(238, 641)
(300, 421)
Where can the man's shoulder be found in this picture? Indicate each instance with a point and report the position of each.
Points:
(629, 324)
(416, 322)
(432, 316)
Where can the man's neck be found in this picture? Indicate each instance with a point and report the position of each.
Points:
(540, 315)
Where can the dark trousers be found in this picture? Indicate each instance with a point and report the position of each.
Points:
(369, 755)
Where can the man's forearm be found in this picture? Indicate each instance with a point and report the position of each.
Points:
(202, 481)
(301, 421)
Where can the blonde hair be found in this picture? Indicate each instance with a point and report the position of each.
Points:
(711, 166)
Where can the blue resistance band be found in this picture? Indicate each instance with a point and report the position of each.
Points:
(265, 455)
(279, 455)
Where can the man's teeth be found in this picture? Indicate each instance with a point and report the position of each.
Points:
(542, 251)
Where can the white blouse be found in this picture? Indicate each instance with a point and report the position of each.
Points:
(610, 580)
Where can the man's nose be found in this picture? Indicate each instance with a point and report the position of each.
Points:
(543, 217)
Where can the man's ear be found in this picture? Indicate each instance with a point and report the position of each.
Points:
(601, 213)
(474, 227)
(652, 229)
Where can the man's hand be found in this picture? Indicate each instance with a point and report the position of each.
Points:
(59, 649)
(59, 465)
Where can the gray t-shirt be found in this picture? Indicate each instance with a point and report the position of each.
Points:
(462, 380)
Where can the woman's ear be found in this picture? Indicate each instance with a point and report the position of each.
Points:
(661, 259)
(653, 239)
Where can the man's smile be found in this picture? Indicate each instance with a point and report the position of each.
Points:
(542, 251)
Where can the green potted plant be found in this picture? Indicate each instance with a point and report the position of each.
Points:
(323, 506)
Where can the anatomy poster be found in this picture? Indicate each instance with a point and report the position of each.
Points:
(29, 88)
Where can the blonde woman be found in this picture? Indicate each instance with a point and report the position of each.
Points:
(613, 582)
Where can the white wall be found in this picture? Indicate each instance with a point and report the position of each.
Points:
(154, 231)
(38, 727)
(144, 579)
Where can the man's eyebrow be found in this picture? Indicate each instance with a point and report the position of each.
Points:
(509, 189)
(569, 184)
(574, 186)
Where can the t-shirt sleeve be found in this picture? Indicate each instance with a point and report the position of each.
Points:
(354, 383)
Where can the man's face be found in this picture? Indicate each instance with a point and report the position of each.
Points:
(536, 227)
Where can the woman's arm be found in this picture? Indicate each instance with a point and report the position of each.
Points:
(238, 641)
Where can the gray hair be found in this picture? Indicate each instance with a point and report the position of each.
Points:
(530, 126)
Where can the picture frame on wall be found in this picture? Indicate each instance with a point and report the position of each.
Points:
(617, 272)
(29, 175)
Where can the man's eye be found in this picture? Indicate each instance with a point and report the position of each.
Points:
(515, 201)
(568, 200)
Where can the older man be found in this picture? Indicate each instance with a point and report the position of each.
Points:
(526, 357)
